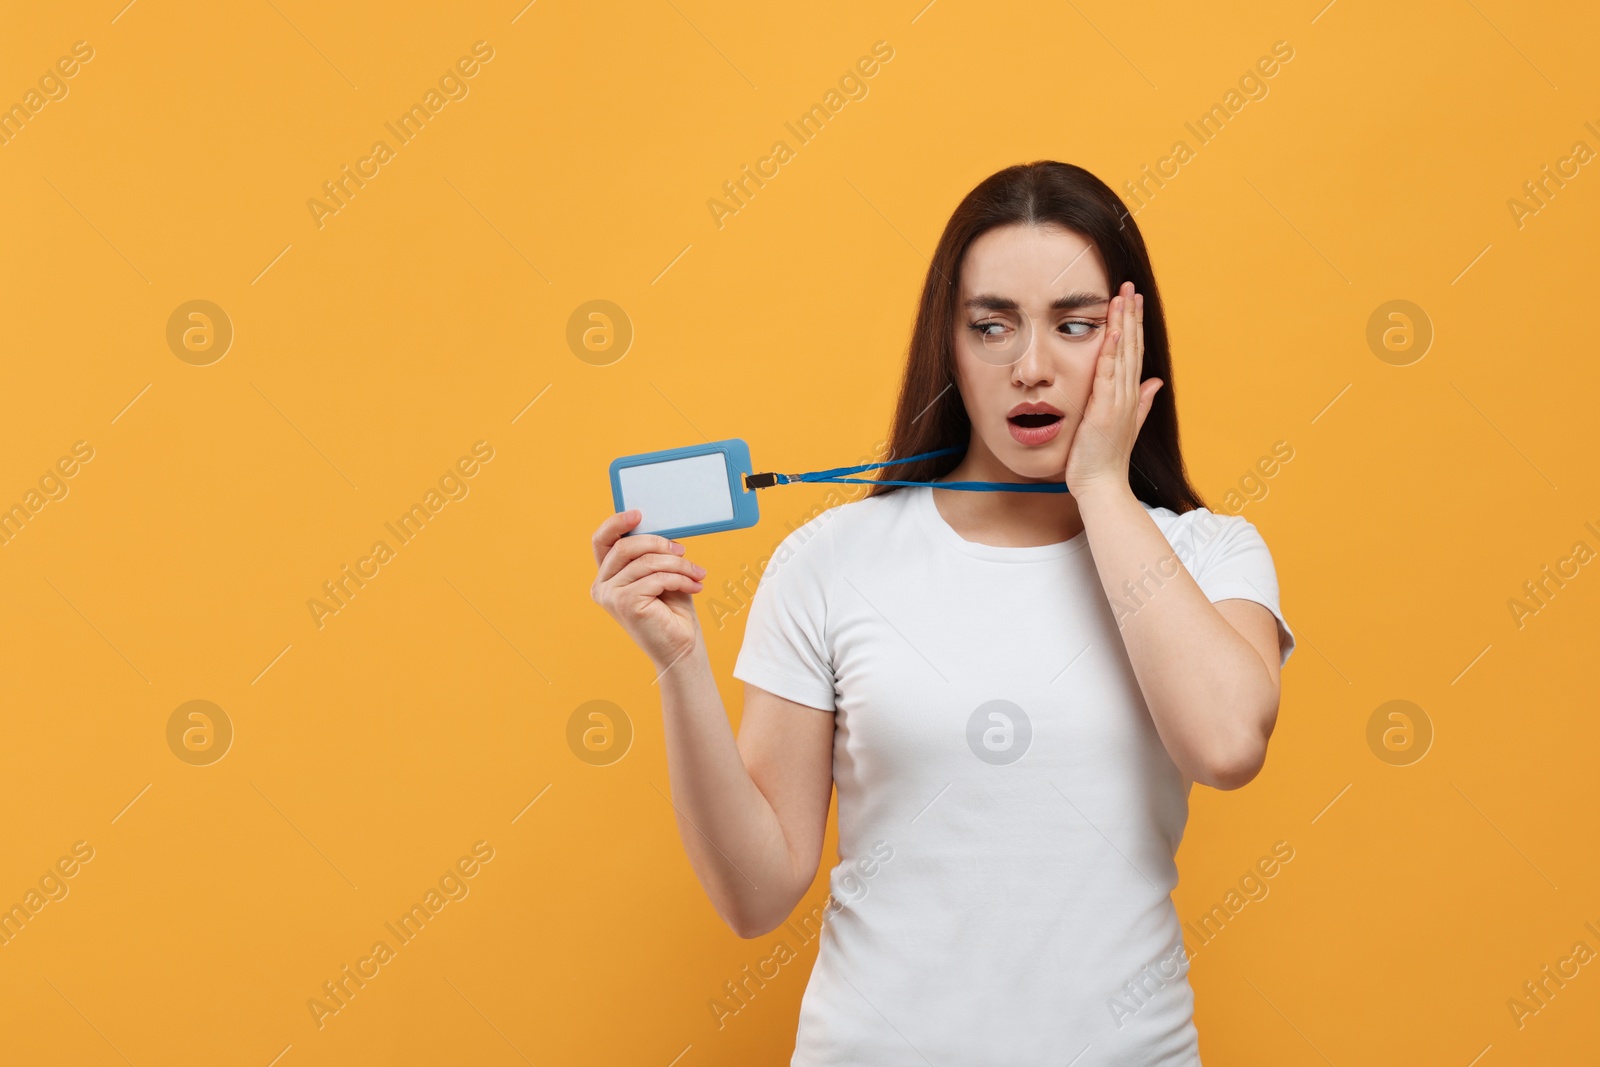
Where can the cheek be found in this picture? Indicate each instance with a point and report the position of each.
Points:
(1076, 383)
(980, 392)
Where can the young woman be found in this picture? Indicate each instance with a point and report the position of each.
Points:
(1012, 690)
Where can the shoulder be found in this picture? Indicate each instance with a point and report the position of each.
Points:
(847, 521)
(1199, 533)
(832, 527)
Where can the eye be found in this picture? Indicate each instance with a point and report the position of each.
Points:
(982, 329)
(1087, 327)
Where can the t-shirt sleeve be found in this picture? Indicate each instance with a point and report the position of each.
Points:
(785, 649)
(1233, 562)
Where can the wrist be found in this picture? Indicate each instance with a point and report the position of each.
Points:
(684, 658)
(1095, 490)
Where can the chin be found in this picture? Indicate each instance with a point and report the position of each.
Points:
(1043, 472)
(1034, 464)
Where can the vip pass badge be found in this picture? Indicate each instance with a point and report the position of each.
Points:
(700, 489)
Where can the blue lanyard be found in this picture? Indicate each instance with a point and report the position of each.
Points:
(835, 474)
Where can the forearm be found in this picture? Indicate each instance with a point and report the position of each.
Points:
(1210, 696)
(729, 829)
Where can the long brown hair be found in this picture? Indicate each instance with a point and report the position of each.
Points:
(930, 414)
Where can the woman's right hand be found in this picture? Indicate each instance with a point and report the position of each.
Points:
(645, 583)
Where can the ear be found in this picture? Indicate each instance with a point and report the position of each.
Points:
(1147, 396)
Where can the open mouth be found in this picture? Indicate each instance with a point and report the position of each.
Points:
(1034, 421)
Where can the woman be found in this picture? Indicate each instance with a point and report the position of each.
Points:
(1013, 690)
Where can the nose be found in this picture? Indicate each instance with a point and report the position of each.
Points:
(1035, 367)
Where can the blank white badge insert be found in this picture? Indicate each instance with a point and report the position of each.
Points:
(680, 492)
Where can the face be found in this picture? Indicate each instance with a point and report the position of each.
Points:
(1029, 324)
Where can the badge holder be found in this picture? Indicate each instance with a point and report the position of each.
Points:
(681, 492)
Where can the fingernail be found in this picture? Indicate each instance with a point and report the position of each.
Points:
(676, 547)
(697, 570)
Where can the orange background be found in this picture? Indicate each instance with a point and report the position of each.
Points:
(371, 352)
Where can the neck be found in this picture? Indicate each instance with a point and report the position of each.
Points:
(1011, 519)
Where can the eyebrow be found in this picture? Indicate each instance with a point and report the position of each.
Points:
(1069, 302)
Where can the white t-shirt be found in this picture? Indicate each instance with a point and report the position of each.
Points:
(1008, 816)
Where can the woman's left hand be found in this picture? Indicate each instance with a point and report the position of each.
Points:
(1118, 401)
